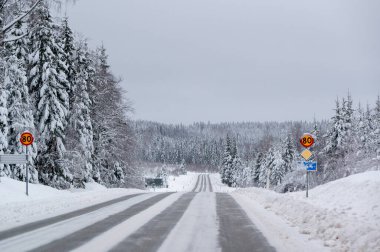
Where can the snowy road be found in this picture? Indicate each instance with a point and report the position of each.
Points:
(199, 220)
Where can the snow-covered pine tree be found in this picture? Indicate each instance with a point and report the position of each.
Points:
(49, 88)
(226, 169)
(113, 137)
(257, 168)
(237, 169)
(348, 120)
(20, 116)
(376, 127)
(277, 168)
(288, 154)
(66, 42)
(363, 131)
(4, 169)
(18, 47)
(334, 146)
(266, 169)
(79, 132)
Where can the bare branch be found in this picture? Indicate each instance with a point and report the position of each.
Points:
(8, 26)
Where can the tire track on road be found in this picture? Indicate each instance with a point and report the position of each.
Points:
(84, 235)
(196, 184)
(46, 222)
(150, 236)
(236, 230)
(209, 183)
(204, 183)
(200, 184)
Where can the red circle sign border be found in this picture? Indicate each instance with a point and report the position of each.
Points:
(308, 145)
(27, 133)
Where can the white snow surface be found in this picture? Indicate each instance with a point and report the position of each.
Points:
(343, 214)
(43, 201)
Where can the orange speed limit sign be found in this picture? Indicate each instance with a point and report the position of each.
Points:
(26, 138)
(307, 140)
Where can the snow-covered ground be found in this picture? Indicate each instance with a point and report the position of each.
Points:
(43, 201)
(343, 214)
(182, 183)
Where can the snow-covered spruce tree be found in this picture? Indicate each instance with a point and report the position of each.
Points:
(363, 131)
(49, 89)
(66, 42)
(288, 154)
(376, 128)
(4, 169)
(237, 169)
(18, 47)
(79, 133)
(255, 174)
(277, 168)
(226, 168)
(266, 174)
(348, 122)
(334, 150)
(20, 116)
(113, 137)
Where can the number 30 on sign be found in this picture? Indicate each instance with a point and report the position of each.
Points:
(307, 140)
(26, 138)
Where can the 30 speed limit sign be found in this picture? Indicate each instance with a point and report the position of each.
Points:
(26, 138)
(307, 140)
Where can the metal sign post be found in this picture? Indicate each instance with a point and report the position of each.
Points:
(27, 171)
(307, 140)
(27, 139)
(307, 184)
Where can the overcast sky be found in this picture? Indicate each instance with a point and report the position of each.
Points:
(237, 60)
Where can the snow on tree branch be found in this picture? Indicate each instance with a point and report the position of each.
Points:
(20, 17)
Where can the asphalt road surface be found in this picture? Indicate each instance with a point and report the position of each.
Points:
(200, 220)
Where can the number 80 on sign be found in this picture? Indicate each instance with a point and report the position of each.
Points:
(26, 138)
(307, 140)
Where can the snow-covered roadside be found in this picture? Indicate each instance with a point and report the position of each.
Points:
(343, 214)
(16, 208)
(182, 183)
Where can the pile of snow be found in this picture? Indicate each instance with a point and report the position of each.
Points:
(344, 214)
(43, 201)
(182, 183)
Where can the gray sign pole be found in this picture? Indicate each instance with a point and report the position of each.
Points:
(27, 171)
(307, 184)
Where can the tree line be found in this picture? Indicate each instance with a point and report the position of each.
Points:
(55, 86)
(350, 144)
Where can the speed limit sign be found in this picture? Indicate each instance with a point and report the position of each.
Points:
(307, 140)
(26, 138)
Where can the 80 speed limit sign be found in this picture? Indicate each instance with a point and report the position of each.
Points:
(26, 138)
(307, 140)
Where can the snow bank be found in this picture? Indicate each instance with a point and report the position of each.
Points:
(344, 214)
(43, 201)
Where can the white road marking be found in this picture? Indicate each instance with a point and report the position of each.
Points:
(115, 235)
(197, 230)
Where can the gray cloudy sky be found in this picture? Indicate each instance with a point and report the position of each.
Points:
(237, 60)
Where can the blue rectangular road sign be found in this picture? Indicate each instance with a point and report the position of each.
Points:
(310, 165)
